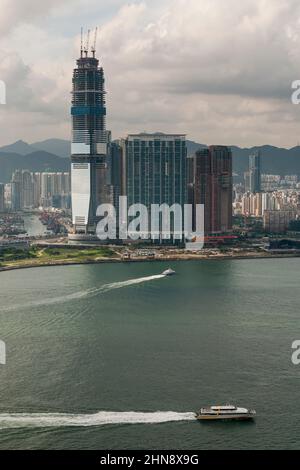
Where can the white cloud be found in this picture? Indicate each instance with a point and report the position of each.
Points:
(220, 71)
(14, 12)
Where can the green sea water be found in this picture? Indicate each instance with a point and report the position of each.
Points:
(115, 356)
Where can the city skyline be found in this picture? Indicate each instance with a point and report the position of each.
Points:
(245, 103)
(149, 230)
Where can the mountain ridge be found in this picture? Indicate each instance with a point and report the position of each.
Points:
(54, 154)
(36, 161)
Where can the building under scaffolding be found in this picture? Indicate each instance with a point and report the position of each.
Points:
(90, 141)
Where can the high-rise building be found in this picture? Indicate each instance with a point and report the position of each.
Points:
(247, 181)
(255, 204)
(154, 169)
(278, 221)
(7, 196)
(27, 189)
(213, 187)
(30, 190)
(2, 200)
(16, 191)
(190, 179)
(89, 165)
(24, 185)
(270, 182)
(12, 194)
(255, 172)
(53, 184)
(16, 196)
(36, 189)
(116, 173)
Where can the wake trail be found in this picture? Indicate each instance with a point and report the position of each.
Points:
(82, 294)
(131, 282)
(102, 418)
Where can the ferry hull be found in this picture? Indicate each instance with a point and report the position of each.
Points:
(242, 417)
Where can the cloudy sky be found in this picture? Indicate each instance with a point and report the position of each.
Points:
(218, 70)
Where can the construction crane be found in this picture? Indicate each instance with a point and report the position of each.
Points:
(95, 41)
(81, 43)
(86, 49)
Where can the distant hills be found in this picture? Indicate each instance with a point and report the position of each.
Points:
(20, 147)
(58, 147)
(276, 161)
(192, 147)
(48, 155)
(35, 161)
(53, 155)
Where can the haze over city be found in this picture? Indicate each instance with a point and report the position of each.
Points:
(219, 71)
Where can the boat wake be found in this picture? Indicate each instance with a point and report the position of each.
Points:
(86, 293)
(131, 282)
(102, 418)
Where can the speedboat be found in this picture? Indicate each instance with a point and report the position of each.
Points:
(169, 272)
(227, 412)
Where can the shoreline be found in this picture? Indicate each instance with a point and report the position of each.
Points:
(255, 256)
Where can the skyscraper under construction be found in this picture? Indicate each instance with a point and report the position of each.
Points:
(90, 141)
(213, 187)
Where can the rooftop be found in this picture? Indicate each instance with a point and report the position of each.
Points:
(157, 135)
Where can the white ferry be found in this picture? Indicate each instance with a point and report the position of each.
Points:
(228, 412)
(169, 272)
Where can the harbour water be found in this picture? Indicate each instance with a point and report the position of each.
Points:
(117, 356)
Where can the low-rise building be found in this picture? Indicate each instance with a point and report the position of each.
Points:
(278, 221)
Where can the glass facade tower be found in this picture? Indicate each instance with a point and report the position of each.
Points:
(255, 172)
(154, 170)
(89, 168)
